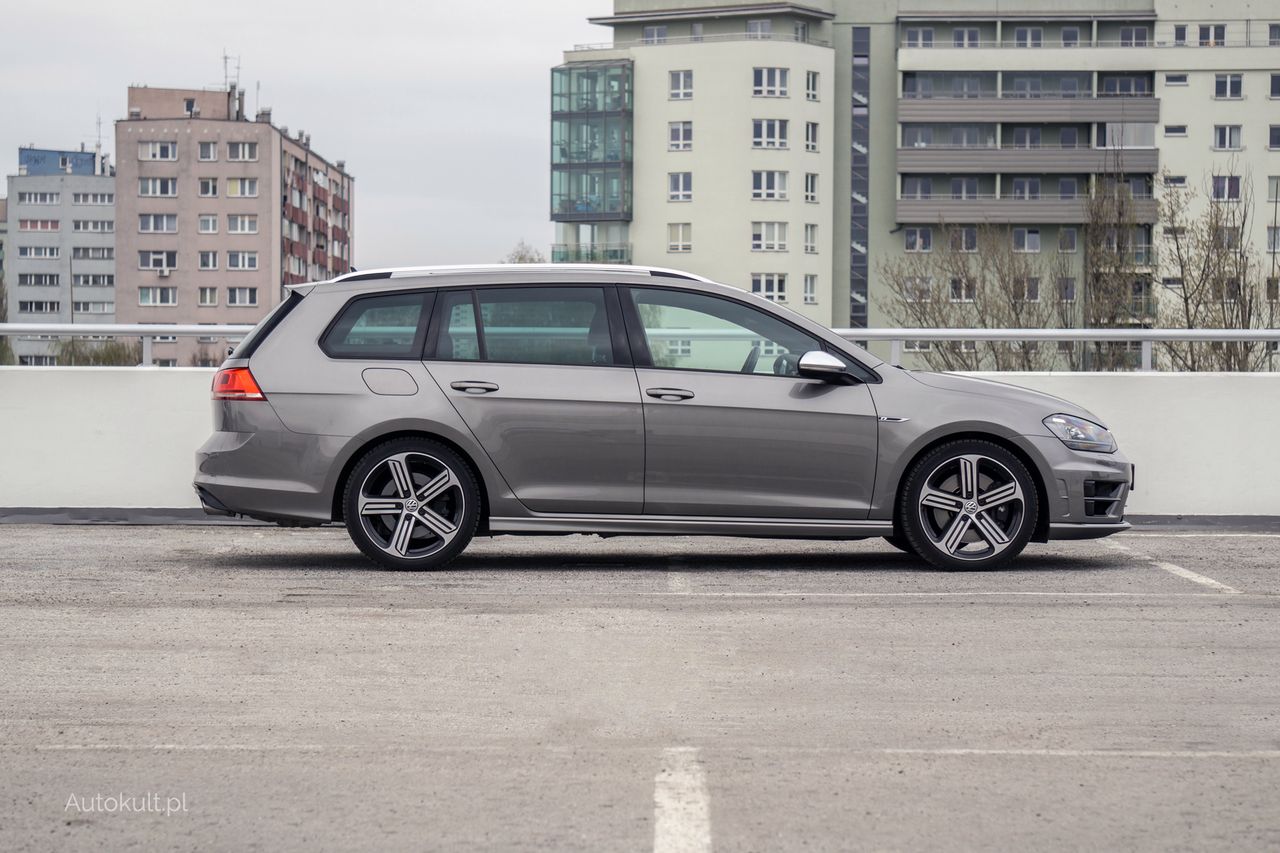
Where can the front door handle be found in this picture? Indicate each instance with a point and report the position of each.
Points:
(672, 394)
(472, 386)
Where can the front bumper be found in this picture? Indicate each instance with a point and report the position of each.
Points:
(1085, 493)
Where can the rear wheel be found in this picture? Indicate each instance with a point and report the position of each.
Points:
(411, 503)
(968, 505)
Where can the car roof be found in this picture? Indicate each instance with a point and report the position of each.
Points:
(539, 272)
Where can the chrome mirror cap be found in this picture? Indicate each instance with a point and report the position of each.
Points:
(821, 365)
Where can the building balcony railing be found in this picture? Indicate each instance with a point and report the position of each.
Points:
(1008, 210)
(1126, 44)
(1058, 159)
(990, 107)
(716, 38)
(591, 253)
(1063, 94)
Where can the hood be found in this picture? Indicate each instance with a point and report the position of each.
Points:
(1002, 391)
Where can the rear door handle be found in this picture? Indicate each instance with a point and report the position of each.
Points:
(471, 386)
(672, 394)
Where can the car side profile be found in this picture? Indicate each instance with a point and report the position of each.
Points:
(422, 407)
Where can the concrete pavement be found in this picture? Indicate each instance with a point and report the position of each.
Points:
(579, 693)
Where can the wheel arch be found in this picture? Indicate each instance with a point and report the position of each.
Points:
(1041, 531)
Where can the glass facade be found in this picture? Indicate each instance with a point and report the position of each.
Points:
(591, 141)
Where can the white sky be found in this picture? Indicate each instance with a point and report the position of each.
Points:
(440, 109)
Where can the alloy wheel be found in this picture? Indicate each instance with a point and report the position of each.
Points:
(411, 505)
(972, 507)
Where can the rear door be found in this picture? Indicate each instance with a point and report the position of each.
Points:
(542, 376)
(731, 429)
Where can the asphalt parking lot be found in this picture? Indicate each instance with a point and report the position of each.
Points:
(578, 693)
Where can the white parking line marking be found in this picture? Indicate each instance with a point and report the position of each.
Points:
(681, 806)
(1172, 569)
(1097, 753)
(1132, 535)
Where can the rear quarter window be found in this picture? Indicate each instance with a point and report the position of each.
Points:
(381, 326)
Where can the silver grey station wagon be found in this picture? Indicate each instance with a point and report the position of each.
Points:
(422, 407)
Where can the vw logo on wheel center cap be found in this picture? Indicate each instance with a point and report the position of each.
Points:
(411, 505)
(971, 507)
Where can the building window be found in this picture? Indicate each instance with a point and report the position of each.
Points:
(158, 223)
(768, 236)
(37, 361)
(39, 307)
(811, 82)
(811, 239)
(1026, 189)
(1175, 130)
(242, 187)
(917, 288)
(242, 261)
(1026, 137)
(208, 187)
(1026, 239)
(39, 198)
(1228, 86)
(1067, 240)
(1068, 188)
(963, 289)
(242, 223)
(93, 280)
(681, 85)
(811, 136)
(208, 223)
(1175, 79)
(1028, 37)
(964, 238)
(1174, 181)
(158, 151)
(1273, 239)
(208, 297)
(38, 279)
(656, 34)
(167, 187)
(680, 237)
(39, 225)
(160, 260)
(1213, 35)
(99, 199)
(770, 285)
(680, 186)
(208, 151)
(918, 37)
(1226, 187)
(760, 29)
(93, 253)
(1275, 85)
(242, 296)
(769, 133)
(810, 187)
(242, 151)
(919, 239)
(1027, 288)
(1273, 35)
(1273, 140)
(1180, 35)
(695, 31)
(1070, 36)
(1133, 36)
(1066, 289)
(769, 185)
(93, 307)
(208, 260)
(917, 187)
(680, 136)
(965, 37)
(157, 296)
(39, 251)
(1226, 137)
(810, 289)
(770, 82)
(93, 226)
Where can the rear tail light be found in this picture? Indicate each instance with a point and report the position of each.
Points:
(236, 383)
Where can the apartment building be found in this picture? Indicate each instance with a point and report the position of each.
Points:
(60, 265)
(929, 115)
(218, 213)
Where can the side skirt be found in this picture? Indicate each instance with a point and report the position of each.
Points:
(678, 525)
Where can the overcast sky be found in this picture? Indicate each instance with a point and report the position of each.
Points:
(440, 109)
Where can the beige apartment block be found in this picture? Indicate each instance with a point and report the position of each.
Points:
(217, 214)
(929, 113)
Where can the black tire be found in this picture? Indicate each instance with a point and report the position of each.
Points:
(979, 506)
(409, 534)
(901, 544)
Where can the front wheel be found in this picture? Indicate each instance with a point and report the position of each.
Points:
(968, 505)
(411, 503)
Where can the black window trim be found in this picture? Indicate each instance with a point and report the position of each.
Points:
(428, 296)
(249, 345)
(622, 352)
(643, 358)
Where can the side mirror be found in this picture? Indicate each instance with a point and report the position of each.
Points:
(817, 364)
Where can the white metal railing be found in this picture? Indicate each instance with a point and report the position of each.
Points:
(708, 38)
(1147, 338)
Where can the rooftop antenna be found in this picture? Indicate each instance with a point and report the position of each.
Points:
(257, 96)
(228, 78)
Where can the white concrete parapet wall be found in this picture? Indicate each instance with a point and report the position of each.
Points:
(1204, 444)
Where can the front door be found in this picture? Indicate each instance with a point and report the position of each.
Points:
(730, 428)
(545, 390)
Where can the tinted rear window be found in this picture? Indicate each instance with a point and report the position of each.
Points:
(527, 325)
(251, 342)
(390, 325)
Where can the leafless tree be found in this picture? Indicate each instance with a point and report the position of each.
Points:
(523, 253)
(1216, 277)
(6, 351)
(108, 353)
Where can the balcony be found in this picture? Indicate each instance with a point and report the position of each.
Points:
(988, 106)
(1008, 210)
(1072, 159)
(591, 253)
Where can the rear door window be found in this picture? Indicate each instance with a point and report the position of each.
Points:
(385, 326)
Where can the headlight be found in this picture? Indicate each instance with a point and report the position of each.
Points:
(1079, 434)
